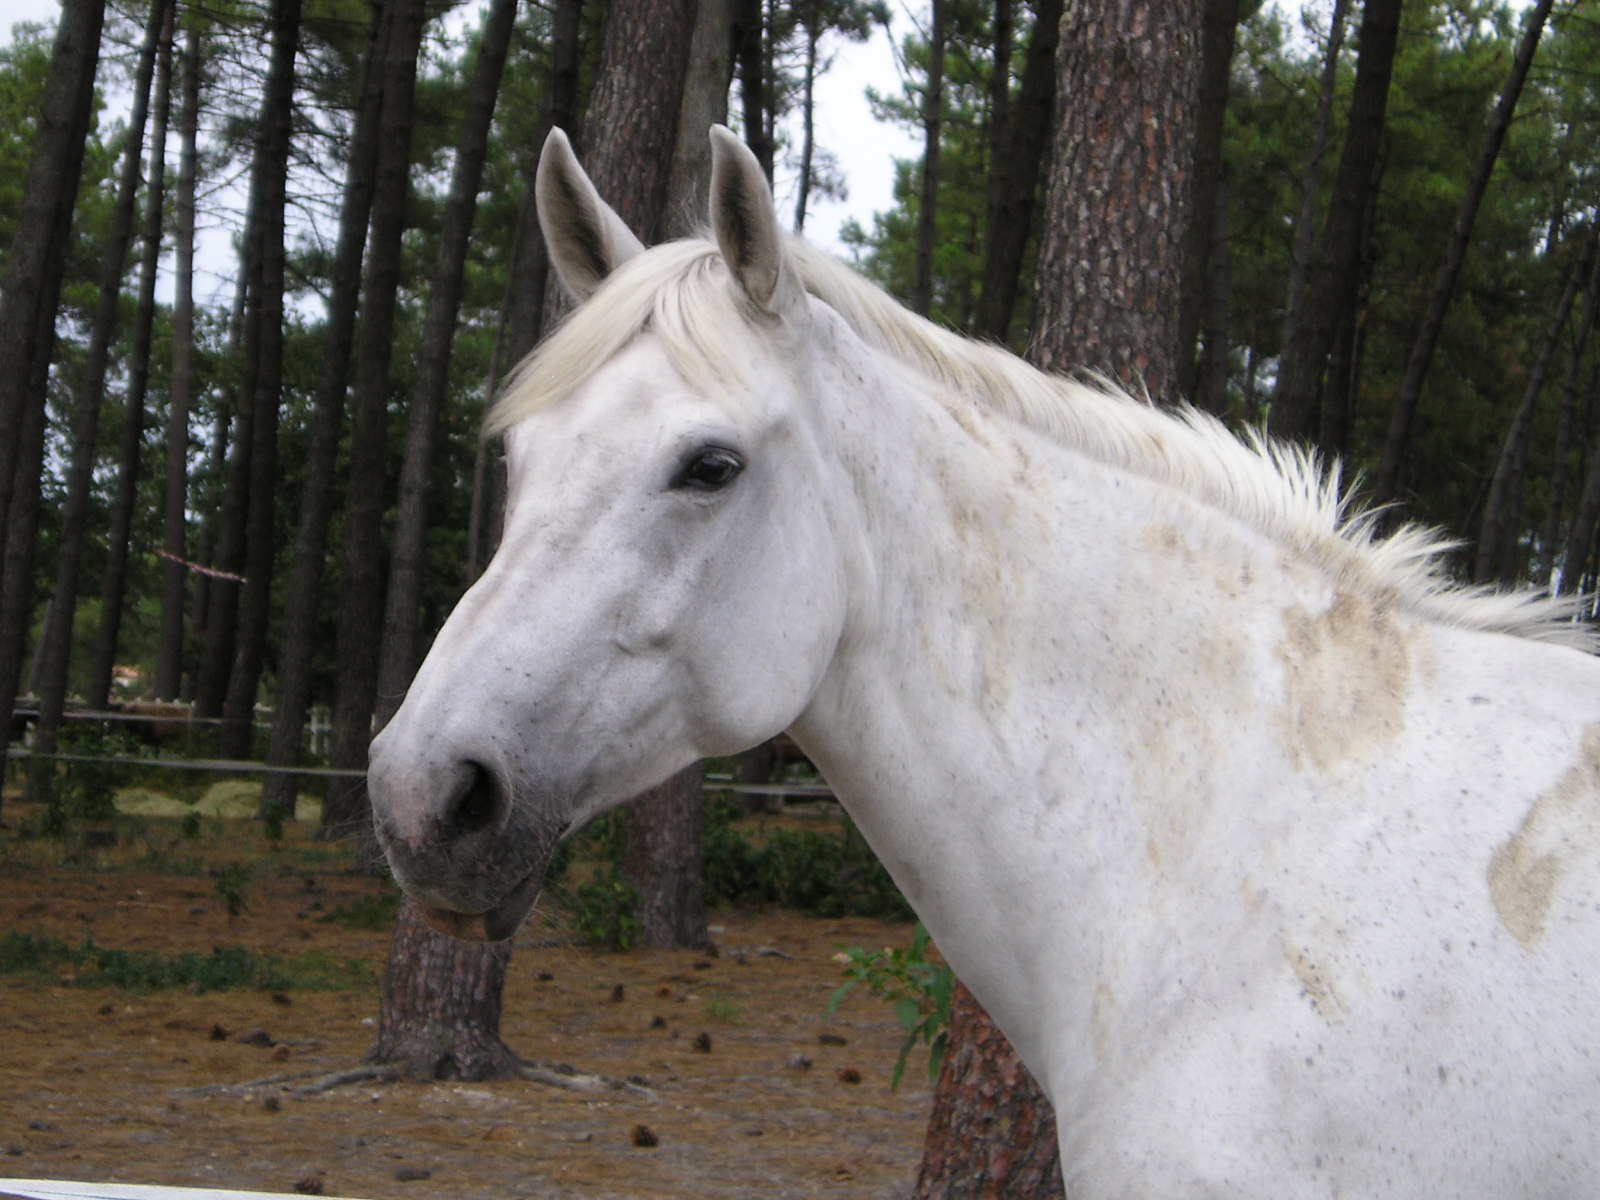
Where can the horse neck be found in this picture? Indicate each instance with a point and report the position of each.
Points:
(1009, 712)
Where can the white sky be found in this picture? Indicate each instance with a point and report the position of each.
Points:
(864, 148)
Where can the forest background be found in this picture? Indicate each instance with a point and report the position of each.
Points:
(1503, 448)
(1372, 231)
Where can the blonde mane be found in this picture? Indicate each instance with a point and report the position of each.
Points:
(680, 291)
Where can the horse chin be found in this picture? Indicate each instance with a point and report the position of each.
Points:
(493, 925)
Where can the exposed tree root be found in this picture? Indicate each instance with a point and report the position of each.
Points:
(314, 1083)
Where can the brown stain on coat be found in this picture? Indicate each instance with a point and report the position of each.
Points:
(1347, 674)
(1562, 826)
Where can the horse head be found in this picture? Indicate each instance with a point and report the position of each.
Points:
(668, 584)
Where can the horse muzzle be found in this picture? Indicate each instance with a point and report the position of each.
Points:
(473, 862)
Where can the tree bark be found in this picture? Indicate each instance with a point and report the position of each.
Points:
(1386, 482)
(307, 567)
(55, 646)
(1111, 250)
(932, 125)
(174, 518)
(440, 1012)
(1021, 164)
(398, 658)
(1331, 284)
(361, 551)
(992, 1135)
(119, 542)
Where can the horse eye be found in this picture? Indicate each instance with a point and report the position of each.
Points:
(708, 469)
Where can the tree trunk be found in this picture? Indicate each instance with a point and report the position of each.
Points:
(29, 297)
(1107, 293)
(266, 394)
(1497, 534)
(808, 123)
(631, 132)
(361, 552)
(932, 126)
(441, 1002)
(55, 646)
(523, 311)
(661, 858)
(1331, 283)
(21, 540)
(705, 103)
(119, 542)
(440, 1012)
(1299, 423)
(1021, 163)
(1570, 388)
(398, 659)
(1211, 374)
(1205, 186)
(1386, 482)
(38, 250)
(292, 699)
(752, 38)
(528, 283)
(208, 607)
(228, 533)
(174, 521)
(1111, 250)
(992, 1136)
(631, 128)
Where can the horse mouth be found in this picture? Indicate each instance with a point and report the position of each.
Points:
(493, 925)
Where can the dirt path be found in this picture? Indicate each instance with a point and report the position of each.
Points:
(111, 1085)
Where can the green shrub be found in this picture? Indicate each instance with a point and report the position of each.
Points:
(77, 793)
(828, 872)
(920, 991)
(605, 910)
(374, 912)
(226, 968)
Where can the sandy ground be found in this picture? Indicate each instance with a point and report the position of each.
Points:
(121, 1086)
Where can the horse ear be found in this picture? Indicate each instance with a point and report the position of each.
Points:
(746, 223)
(587, 239)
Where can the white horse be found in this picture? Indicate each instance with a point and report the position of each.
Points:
(1275, 855)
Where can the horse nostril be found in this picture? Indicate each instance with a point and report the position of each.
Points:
(478, 805)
